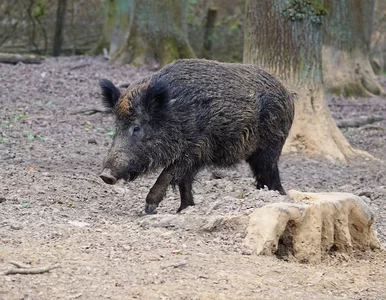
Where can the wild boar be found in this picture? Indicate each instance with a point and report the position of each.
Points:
(195, 113)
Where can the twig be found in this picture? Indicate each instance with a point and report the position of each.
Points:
(20, 265)
(213, 206)
(37, 117)
(176, 265)
(92, 110)
(40, 270)
(358, 122)
(79, 66)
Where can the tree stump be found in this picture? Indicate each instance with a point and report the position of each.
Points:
(316, 224)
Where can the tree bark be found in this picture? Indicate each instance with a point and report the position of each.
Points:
(284, 37)
(346, 48)
(60, 14)
(146, 32)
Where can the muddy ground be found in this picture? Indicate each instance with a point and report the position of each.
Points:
(54, 209)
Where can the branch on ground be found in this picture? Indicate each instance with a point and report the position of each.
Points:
(26, 269)
(8, 58)
(358, 122)
(92, 110)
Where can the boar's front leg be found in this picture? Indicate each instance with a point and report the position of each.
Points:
(158, 191)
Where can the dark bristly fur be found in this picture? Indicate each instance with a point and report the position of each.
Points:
(197, 113)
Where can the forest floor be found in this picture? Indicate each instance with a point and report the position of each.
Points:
(54, 209)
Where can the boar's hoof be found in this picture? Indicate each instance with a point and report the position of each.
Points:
(107, 177)
(182, 207)
(150, 209)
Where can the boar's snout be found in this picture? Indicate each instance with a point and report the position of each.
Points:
(107, 177)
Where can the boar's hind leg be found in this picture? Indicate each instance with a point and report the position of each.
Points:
(265, 170)
(185, 187)
(158, 191)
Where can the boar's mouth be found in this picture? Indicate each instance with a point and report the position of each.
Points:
(129, 172)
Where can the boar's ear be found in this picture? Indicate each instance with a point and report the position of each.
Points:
(156, 98)
(110, 93)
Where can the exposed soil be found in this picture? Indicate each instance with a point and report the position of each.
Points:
(54, 209)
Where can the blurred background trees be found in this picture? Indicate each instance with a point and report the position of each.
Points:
(347, 31)
(145, 32)
(28, 26)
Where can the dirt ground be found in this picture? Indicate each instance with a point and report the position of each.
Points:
(54, 209)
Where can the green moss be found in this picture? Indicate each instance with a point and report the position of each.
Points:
(299, 10)
(351, 90)
(186, 51)
(168, 50)
(319, 9)
(171, 48)
(335, 91)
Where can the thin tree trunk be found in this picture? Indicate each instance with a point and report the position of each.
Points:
(346, 48)
(72, 26)
(60, 14)
(209, 28)
(108, 24)
(285, 39)
(32, 34)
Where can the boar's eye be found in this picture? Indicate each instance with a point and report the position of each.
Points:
(135, 129)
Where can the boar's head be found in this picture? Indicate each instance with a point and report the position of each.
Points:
(140, 143)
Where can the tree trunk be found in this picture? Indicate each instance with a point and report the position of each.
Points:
(209, 28)
(60, 14)
(284, 38)
(346, 48)
(151, 32)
